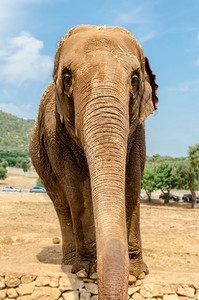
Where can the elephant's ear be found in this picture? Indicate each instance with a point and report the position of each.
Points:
(149, 99)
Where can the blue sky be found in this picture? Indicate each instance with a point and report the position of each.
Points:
(169, 34)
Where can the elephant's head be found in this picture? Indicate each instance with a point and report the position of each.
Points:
(104, 88)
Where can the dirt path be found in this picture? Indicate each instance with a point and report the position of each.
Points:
(28, 223)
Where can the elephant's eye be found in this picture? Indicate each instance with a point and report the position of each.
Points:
(67, 79)
(135, 82)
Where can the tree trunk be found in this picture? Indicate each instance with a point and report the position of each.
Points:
(193, 201)
(166, 197)
(148, 195)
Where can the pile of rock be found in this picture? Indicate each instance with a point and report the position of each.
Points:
(70, 287)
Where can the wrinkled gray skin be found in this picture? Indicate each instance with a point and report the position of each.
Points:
(88, 146)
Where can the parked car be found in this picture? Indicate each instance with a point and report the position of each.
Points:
(37, 189)
(142, 196)
(171, 197)
(10, 189)
(188, 198)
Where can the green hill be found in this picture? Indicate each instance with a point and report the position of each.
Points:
(15, 135)
(14, 132)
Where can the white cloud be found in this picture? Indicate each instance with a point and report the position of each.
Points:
(186, 87)
(13, 109)
(146, 38)
(21, 60)
(134, 16)
(197, 62)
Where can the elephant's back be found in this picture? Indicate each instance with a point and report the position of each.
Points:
(45, 124)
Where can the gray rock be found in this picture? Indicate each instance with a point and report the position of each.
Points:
(74, 295)
(137, 296)
(12, 280)
(2, 283)
(170, 297)
(150, 290)
(26, 288)
(54, 282)
(56, 240)
(169, 289)
(84, 295)
(45, 293)
(94, 276)
(94, 297)
(133, 289)
(70, 283)
(3, 294)
(27, 297)
(42, 281)
(186, 291)
(82, 274)
(132, 279)
(91, 288)
(28, 278)
(12, 293)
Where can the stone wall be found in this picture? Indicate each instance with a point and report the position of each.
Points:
(68, 286)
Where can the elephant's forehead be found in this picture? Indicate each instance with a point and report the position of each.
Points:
(96, 40)
(102, 46)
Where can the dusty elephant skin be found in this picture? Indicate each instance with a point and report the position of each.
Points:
(88, 146)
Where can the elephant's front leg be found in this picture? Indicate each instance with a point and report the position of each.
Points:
(83, 226)
(134, 170)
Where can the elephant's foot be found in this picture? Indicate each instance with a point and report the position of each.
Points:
(84, 267)
(68, 258)
(138, 268)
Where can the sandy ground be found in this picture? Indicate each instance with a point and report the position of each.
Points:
(28, 223)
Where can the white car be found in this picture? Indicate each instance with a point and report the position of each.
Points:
(11, 189)
(142, 196)
(37, 189)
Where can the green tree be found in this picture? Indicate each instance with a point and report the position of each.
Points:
(165, 180)
(4, 164)
(193, 155)
(3, 173)
(40, 182)
(25, 165)
(148, 181)
(186, 178)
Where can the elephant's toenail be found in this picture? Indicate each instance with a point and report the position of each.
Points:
(82, 274)
(141, 276)
(132, 279)
(94, 276)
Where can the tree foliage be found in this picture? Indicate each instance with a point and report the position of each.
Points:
(25, 165)
(148, 181)
(165, 180)
(157, 159)
(193, 156)
(14, 132)
(3, 173)
(4, 164)
(40, 182)
(14, 158)
(186, 176)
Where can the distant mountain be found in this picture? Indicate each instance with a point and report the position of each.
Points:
(14, 132)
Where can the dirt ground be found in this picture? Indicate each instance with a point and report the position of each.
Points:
(28, 224)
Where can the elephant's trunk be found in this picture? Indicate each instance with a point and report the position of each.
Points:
(105, 140)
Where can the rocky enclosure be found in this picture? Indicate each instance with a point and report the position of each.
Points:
(70, 287)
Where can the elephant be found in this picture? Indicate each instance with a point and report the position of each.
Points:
(88, 147)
